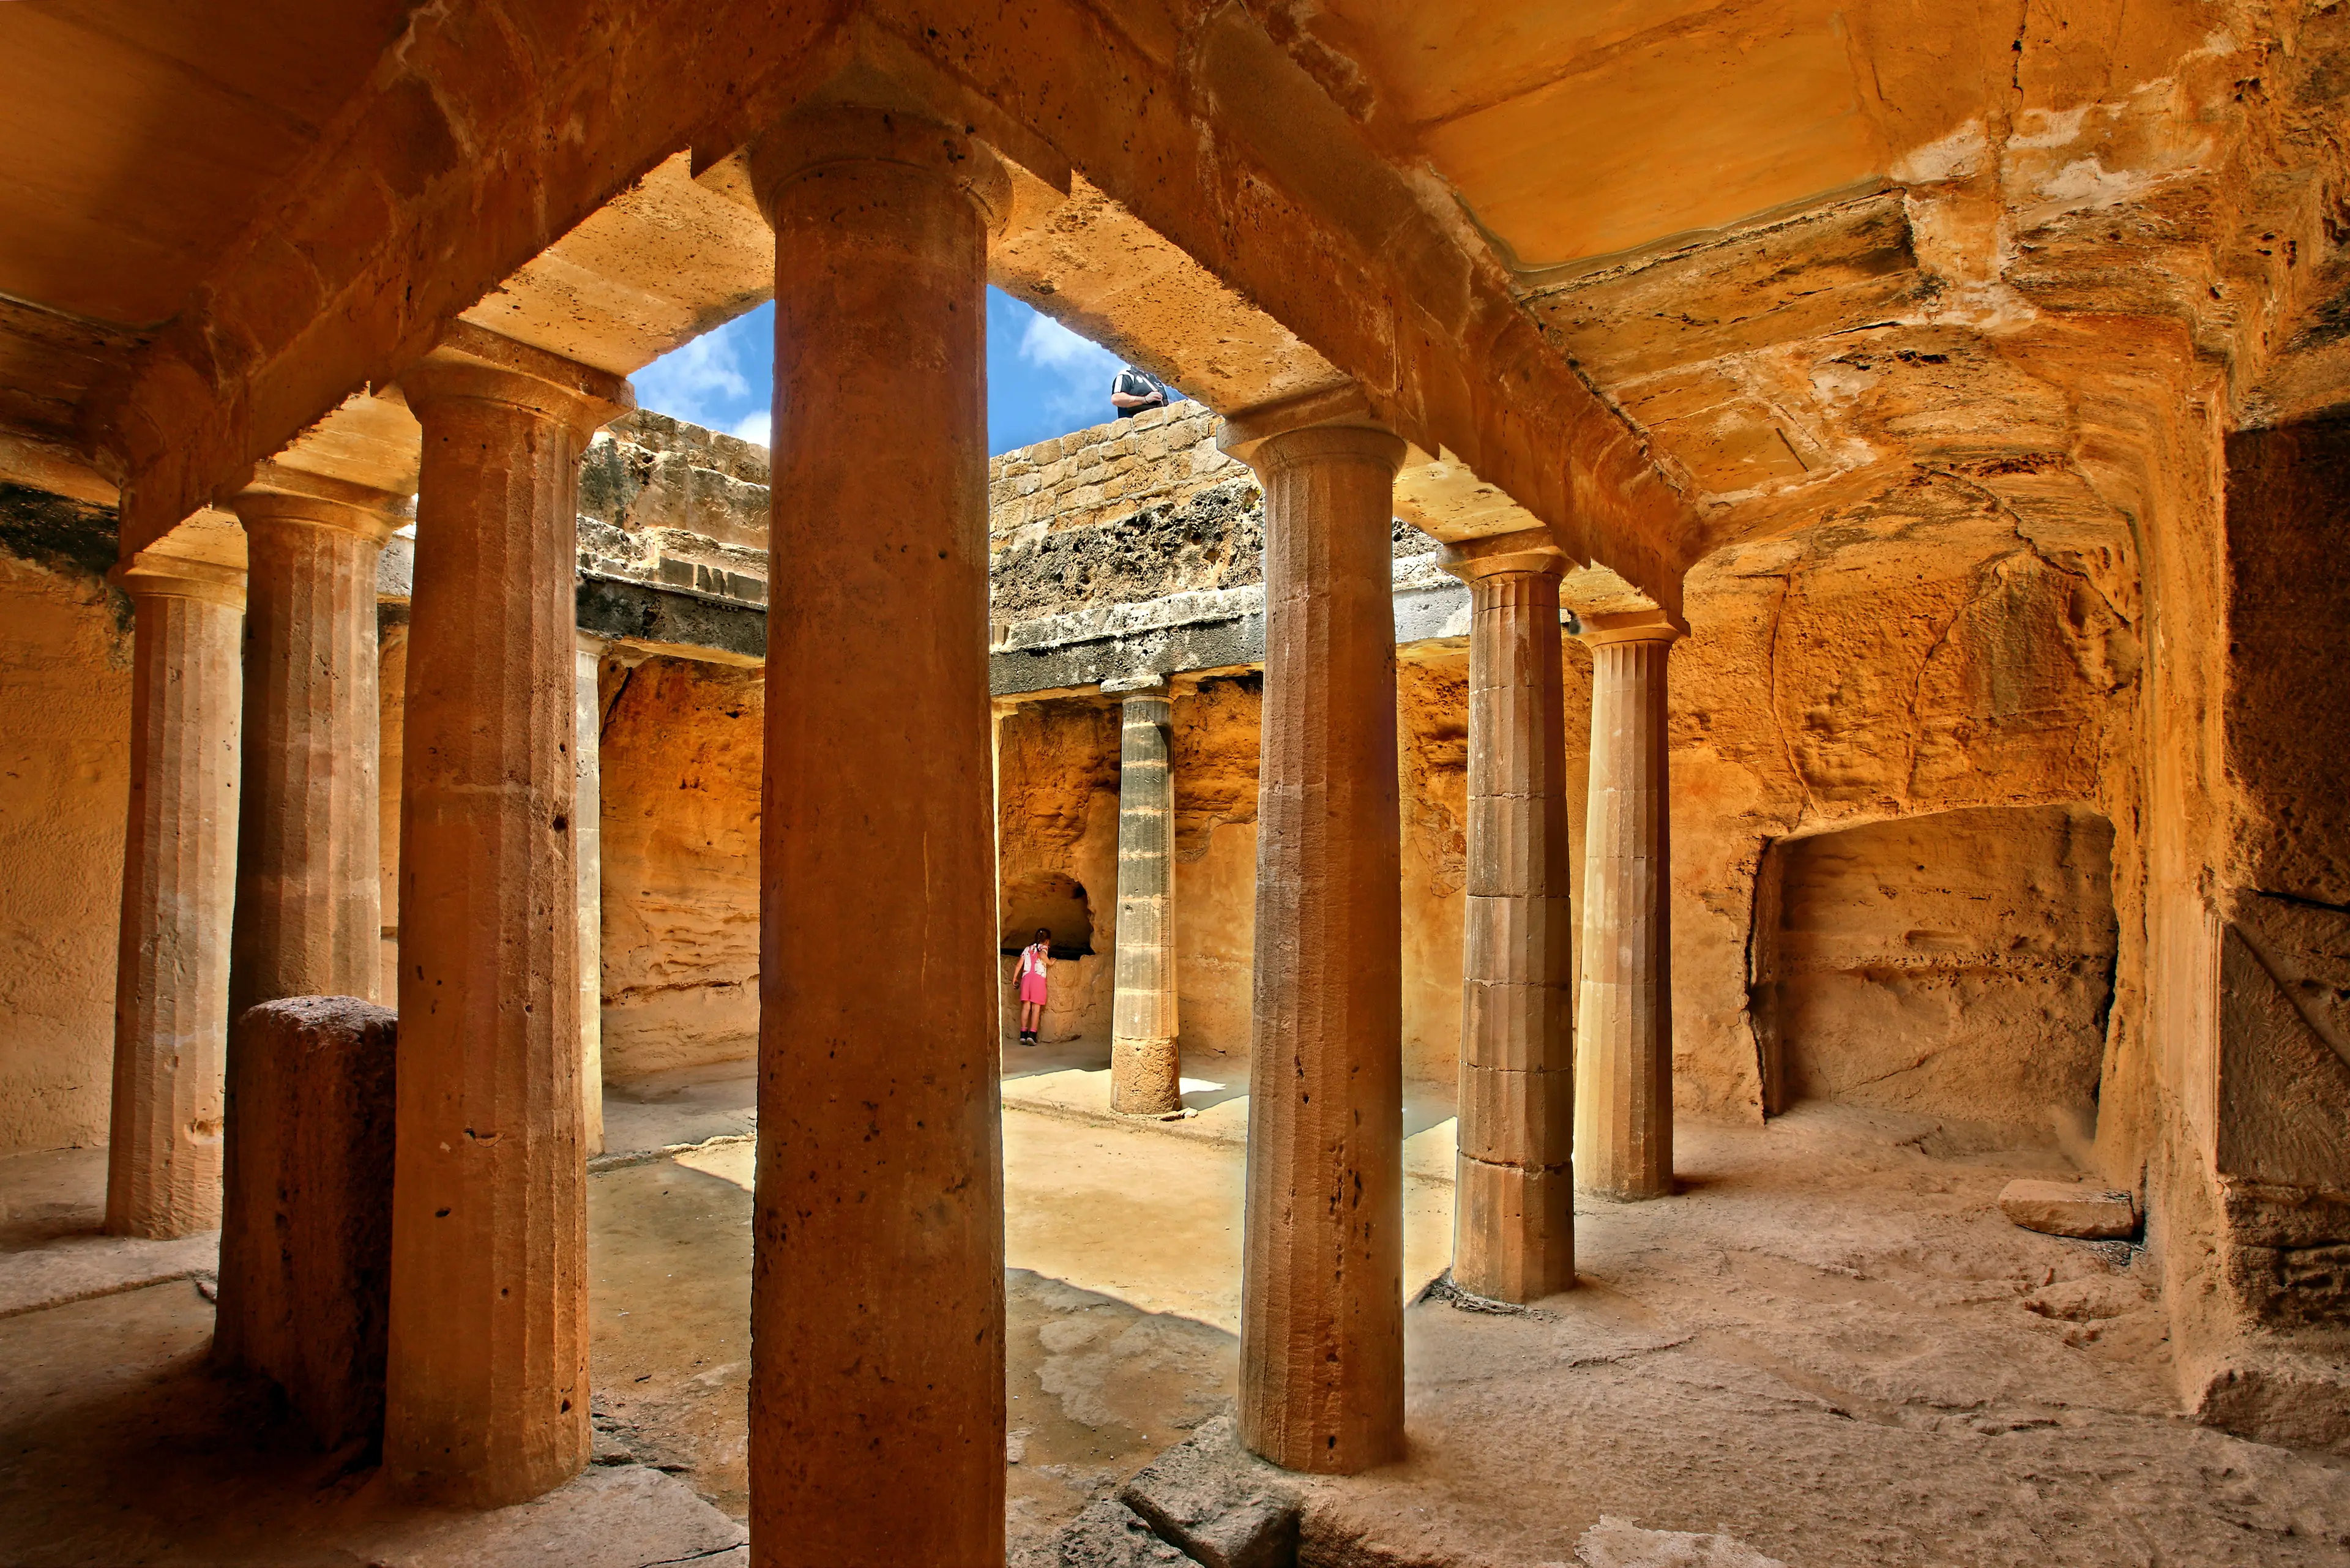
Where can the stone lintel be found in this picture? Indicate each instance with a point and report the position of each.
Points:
(668, 620)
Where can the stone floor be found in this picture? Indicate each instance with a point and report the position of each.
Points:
(1829, 1349)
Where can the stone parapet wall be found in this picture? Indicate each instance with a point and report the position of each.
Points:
(1162, 458)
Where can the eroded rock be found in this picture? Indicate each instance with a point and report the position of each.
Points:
(2065, 1208)
(1222, 1507)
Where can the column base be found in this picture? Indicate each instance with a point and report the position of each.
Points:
(1145, 1077)
(1514, 1231)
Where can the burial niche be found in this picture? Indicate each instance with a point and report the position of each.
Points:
(1955, 965)
(1055, 902)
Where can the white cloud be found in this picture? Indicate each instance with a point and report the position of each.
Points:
(689, 383)
(755, 426)
(1077, 373)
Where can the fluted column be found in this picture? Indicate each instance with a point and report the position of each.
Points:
(1145, 1067)
(179, 884)
(1624, 1020)
(1514, 1200)
(391, 697)
(588, 835)
(309, 902)
(486, 1398)
(1321, 1384)
(877, 1283)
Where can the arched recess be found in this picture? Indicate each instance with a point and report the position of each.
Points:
(1957, 964)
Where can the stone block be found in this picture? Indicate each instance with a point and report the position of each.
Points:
(1219, 1505)
(1108, 1534)
(2067, 1208)
(315, 1173)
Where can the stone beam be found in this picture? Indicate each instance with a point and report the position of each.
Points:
(439, 187)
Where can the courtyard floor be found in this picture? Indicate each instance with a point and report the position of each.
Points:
(1829, 1349)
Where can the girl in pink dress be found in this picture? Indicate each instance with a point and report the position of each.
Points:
(1031, 979)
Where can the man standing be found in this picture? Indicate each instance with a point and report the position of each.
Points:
(1134, 391)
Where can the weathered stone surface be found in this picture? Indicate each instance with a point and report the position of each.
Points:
(1623, 1026)
(2065, 1208)
(316, 1102)
(1221, 1506)
(679, 767)
(65, 672)
(179, 883)
(1955, 964)
(878, 1437)
(1514, 1212)
(1146, 1069)
(1321, 1384)
(487, 1363)
(308, 918)
(1108, 1534)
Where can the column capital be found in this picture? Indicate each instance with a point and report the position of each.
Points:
(1630, 626)
(481, 365)
(1528, 552)
(1337, 422)
(822, 136)
(153, 574)
(1147, 683)
(589, 644)
(279, 493)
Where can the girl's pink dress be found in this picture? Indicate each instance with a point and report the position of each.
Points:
(1032, 976)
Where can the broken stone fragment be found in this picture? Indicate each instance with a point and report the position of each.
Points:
(1108, 1535)
(2065, 1208)
(1218, 1505)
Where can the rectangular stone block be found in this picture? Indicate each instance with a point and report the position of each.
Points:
(315, 1175)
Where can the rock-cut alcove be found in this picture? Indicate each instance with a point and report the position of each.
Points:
(1051, 902)
(1957, 964)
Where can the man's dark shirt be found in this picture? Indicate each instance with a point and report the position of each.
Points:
(1137, 383)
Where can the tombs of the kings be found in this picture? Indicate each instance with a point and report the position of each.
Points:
(1649, 869)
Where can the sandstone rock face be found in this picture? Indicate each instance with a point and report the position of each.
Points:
(64, 771)
(680, 844)
(2065, 1208)
(1957, 964)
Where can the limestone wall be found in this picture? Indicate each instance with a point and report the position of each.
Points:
(1158, 459)
(64, 761)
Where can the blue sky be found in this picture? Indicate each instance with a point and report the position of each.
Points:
(1043, 379)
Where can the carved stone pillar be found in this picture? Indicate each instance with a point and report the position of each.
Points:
(1145, 1067)
(486, 1400)
(588, 834)
(178, 884)
(1321, 1384)
(1514, 1200)
(308, 892)
(877, 1292)
(1624, 1023)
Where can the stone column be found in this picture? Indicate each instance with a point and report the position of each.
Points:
(1321, 1384)
(1624, 1022)
(588, 835)
(308, 904)
(877, 1285)
(1145, 1067)
(1514, 1198)
(391, 695)
(178, 884)
(487, 1366)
